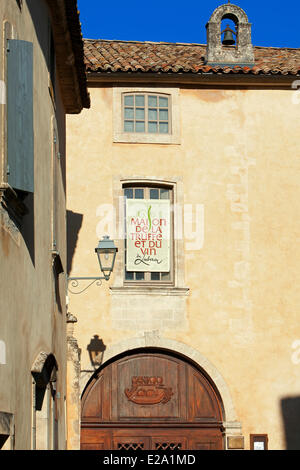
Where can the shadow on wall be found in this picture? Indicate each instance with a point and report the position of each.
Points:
(39, 14)
(290, 408)
(74, 222)
(58, 270)
(96, 349)
(27, 226)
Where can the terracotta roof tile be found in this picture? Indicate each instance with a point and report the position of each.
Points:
(118, 56)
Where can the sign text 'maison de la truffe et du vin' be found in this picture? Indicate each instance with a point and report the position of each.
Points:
(148, 235)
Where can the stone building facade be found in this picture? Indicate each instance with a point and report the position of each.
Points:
(42, 78)
(212, 129)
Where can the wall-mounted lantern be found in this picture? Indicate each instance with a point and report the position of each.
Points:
(106, 253)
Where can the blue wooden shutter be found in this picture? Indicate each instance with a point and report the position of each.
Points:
(20, 149)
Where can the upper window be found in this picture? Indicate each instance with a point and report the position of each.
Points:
(148, 113)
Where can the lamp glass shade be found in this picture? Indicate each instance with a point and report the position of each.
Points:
(106, 252)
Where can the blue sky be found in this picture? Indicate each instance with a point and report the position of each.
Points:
(184, 21)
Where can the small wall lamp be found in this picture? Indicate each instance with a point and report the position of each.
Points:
(106, 253)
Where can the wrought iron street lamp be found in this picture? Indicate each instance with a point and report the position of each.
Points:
(106, 253)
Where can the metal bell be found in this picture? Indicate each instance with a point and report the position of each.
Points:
(228, 37)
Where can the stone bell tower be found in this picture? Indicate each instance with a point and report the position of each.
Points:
(242, 52)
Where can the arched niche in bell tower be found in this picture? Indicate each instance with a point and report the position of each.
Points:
(242, 52)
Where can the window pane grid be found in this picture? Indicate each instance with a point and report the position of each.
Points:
(158, 114)
(146, 113)
(146, 193)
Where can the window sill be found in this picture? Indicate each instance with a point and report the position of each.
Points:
(133, 138)
(150, 290)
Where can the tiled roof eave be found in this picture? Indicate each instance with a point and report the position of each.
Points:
(209, 79)
(182, 70)
(175, 58)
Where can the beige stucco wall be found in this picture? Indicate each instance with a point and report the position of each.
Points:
(238, 162)
(30, 322)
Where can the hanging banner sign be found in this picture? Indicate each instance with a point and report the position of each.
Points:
(148, 235)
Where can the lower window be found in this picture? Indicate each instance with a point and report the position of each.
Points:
(148, 234)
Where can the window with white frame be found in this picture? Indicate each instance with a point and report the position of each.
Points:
(148, 243)
(146, 115)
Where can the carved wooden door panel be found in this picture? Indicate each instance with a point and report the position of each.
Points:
(131, 443)
(169, 439)
(151, 439)
(149, 443)
(148, 387)
(152, 401)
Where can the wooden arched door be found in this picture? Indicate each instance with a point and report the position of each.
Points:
(151, 400)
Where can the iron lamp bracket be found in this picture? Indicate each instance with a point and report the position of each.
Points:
(75, 281)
